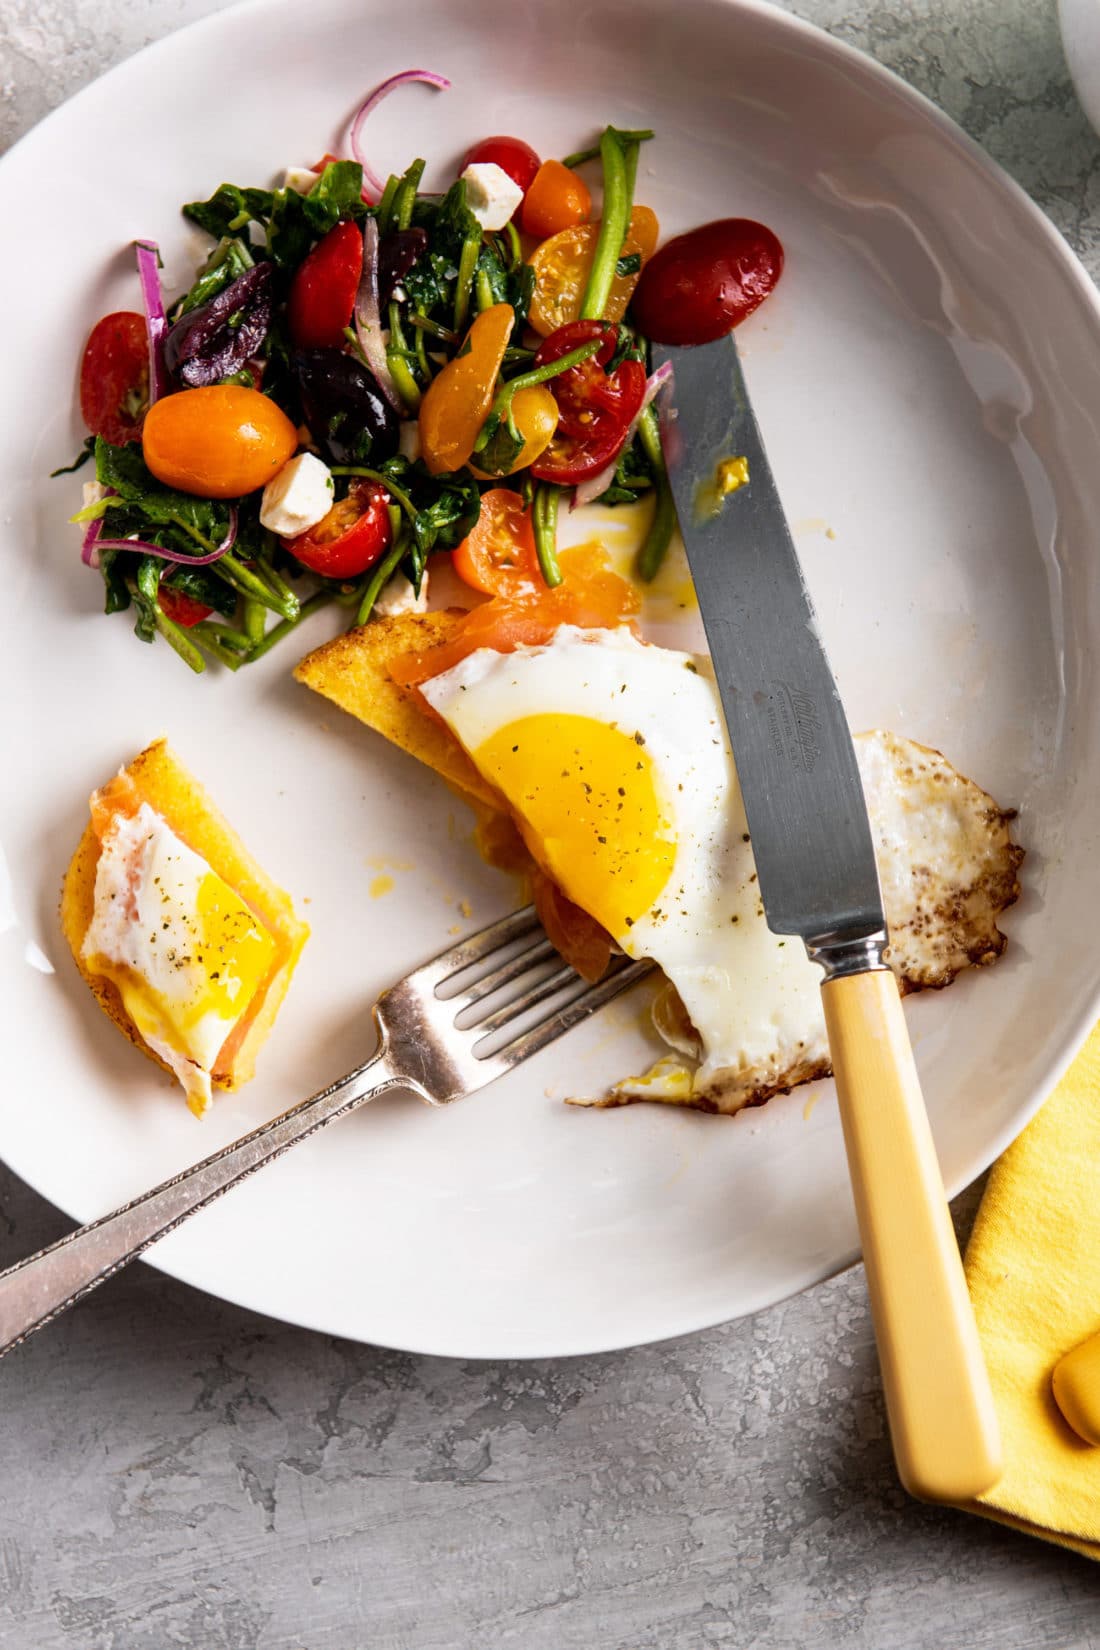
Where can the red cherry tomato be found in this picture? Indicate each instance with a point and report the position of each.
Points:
(322, 293)
(511, 154)
(596, 408)
(181, 608)
(350, 538)
(114, 377)
(700, 285)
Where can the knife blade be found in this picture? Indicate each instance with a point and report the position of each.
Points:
(811, 840)
(793, 750)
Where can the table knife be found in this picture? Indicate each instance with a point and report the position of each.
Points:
(815, 860)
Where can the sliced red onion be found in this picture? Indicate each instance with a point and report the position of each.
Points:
(93, 544)
(156, 322)
(368, 318)
(586, 491)
(406, 77)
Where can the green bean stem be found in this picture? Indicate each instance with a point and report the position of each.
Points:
(379, 579)
(617, 193)
(467, 262)
(544, 519)
(653, 551)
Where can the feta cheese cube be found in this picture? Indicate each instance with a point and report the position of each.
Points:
(491, 195)
(399, 597)
(298, 497)
(300, 179)
(94, 493)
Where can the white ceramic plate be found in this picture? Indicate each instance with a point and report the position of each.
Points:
(927, 375)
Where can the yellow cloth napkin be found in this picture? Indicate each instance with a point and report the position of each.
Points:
(1033, 1266)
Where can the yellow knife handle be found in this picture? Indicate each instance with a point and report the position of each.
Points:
(938, 1398)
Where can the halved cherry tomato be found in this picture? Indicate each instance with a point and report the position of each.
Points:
(595, 407)
(322, 293)
(181, 608)
(351, 538)
(563, 263)
(114, 377)
(499, 555)
(556, 199)
(218, 441)
(457, 401)
(535, 415)
(511, 154)
(700, 285)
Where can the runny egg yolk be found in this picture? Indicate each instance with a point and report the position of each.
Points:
(586, 795)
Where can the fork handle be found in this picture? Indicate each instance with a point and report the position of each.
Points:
(38, 1288)
(938, 1398)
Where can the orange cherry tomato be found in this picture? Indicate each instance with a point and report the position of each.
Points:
(499, 556)
(218, 441)
(535, 415)
(562, 265)
(457, 401)
(557, 199)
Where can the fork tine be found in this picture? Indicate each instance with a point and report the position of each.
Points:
(486, 984)
(618, 978)
(477, 947)
(548, 986)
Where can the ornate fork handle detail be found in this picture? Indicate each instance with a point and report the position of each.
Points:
(38, 1288)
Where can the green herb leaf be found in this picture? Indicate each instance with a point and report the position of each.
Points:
(337, 194)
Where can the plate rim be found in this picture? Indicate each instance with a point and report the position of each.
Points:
(825, 47)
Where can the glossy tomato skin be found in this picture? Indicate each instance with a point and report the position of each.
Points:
(595, 407)
(181, 608)
(220, 441)
(702, 284)
(114, 377)
(498, 557)
(322, 293)
(351, 538)
(556, 199)
(511, 154)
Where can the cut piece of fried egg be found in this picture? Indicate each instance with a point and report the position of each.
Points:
(612, 756)
(184, 951)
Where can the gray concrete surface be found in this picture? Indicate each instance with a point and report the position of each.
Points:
(175, 1472)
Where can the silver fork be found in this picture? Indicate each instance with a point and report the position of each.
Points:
(513, 994)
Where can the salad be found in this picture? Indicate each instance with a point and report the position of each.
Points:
(363, 375)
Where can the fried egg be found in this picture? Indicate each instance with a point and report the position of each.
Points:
(613, 757)
(185, 952)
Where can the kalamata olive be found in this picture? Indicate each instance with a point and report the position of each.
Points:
(346, 412)
(700, 285)
(397, 252)
(217, 339)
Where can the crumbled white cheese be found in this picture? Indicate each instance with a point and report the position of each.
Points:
(492, 196)
(94, 493)
(300, 179)
(298, 497)
(399, 597)
(408, 439)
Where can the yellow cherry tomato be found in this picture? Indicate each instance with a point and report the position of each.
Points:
(562, 265)
(219, 441)
(457, 401)
(556, 198)
(535, 415)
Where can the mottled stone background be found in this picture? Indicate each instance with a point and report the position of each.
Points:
(175, 1472)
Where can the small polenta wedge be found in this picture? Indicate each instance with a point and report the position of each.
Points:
(187, 945)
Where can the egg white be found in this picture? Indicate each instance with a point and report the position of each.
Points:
(144, 931)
